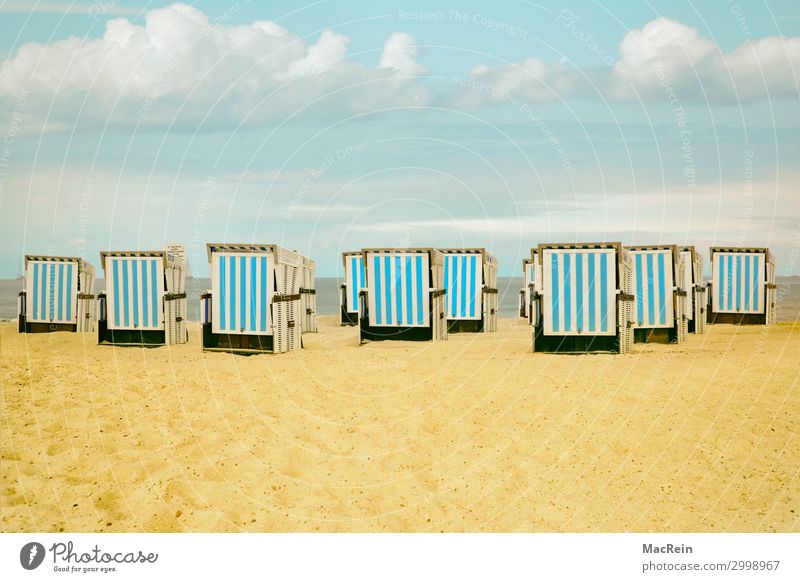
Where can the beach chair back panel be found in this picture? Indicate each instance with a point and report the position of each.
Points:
(579, 291)
(463, 279)
(354, 280)
(52, 289)
(398, 289)
(738, 282)
(242, 286)
(134, 292)
(688, 275)
(653, 282)
(530, 278)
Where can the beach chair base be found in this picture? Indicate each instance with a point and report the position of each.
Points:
(572, 344)
(655, 336)
(25, 327)
(737, 318)
(376, 334)
(129, 337)
(466, 326)
(237, 343)
(346, 318)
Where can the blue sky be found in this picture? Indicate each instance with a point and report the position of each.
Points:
(333, 125)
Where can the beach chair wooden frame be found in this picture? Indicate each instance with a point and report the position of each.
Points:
(696, 290)
(470, 278)
(592, 313)
(531, 277)
(144, 302)
(404, 297)
(523, 306)
(354, 280)
(742, 288)
(660, 288)
(308, 297)
(254, 304)
(58, 295)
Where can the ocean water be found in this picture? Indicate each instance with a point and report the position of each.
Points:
(328, 296)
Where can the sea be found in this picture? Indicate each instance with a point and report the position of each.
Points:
(788, 293)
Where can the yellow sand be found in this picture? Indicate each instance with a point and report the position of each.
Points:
(475, 433)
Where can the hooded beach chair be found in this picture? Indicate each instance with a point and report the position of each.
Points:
(404, 297)
(695, 300)
(354, 282)
(144, 302)
(661, 291)
(586, 299)
(308, 297)
(470, 278)
(742, 286)
(58, 295)
(254, 304)
(532, 278)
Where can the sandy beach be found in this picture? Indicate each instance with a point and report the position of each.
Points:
(473, 434)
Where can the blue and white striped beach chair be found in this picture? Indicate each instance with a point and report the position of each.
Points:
(470, 278)
(742, 286)
(660, 289)
(58, 295)
(308, 297)
(585, 302)
(696, 298)
(254, 304)
(144, 302)
(354, 282)
(404, 297)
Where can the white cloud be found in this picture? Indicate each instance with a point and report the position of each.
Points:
(400, 54)
(664, 60)
(322, 56)
(182, 67)
(667, 54)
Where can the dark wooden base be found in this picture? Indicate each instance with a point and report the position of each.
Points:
(234, 343)
(369, 333)
(573, 344)
(350, 319)
(464, 325)
(737, 318)
(28, 327)
(129, 337)
(655, 336)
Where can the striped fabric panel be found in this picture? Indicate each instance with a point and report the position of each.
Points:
(242, 286)
(398, 289)
(653, 282)
(738, 282)
(579, 291)
(688, 277)
(463, 279)
(52, 287)
(354, 280)
(134, 289)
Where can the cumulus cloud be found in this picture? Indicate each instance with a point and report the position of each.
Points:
(180, 66)
(532, 80)
(665, 59)
(400, 54)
